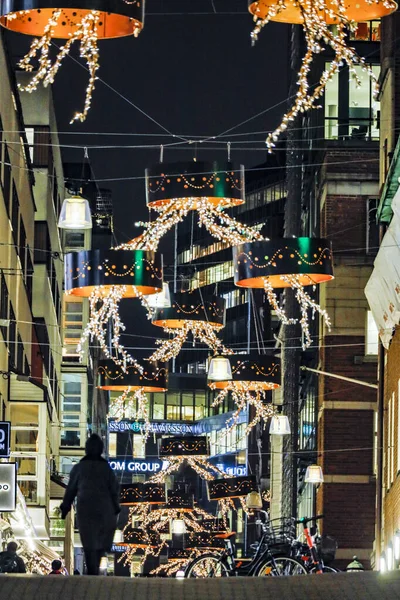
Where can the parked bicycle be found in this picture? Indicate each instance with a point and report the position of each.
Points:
(271, 558)
(317, 550)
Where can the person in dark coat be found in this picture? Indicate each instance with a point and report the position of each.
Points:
(93, 483)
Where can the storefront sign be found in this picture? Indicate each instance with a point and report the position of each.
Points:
(138, 465)
(119, 548)
(236, 471)
(5, 427)
(8, 487)
(155, 427)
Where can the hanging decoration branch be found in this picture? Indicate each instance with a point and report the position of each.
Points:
(205, 469)
(245, 394)
(132, 405)
(104, 308)
(86, 33)
(316, 16)
(201, 331)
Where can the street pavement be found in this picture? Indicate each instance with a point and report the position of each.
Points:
(339, 586)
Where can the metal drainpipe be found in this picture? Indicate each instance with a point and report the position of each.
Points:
(379, 439)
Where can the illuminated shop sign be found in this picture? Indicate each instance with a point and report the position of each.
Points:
(138, 466)
(236, 471)
(155, 427)
(8, 487)
(119, 548)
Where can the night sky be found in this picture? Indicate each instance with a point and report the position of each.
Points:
(196, 74)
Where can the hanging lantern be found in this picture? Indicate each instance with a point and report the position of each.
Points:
(72, 21)
(134, 271)
(139, 493)
(282, 263)
(254, 501)
(314, 474)
(219, 369)
(194, 307)
(118, 537)
(161, 300)
(279, 425)
(231, 487)
(184, 446)
(178, 527)
(355, 10)
(251, 372)
(193, 184)
(153, 378)
(75, 214)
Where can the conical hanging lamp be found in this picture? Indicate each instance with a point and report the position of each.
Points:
(219, 369)
(153, 377)
(195, 183)
(314, 474)
(279, 425)
(75, 214)
(290, 11)
(251, 372)
(77, 21)
(286, 262)
(191, 306)
(160, 300)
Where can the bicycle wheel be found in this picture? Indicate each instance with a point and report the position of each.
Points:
(280, 566)
(208, 565)
(324, 570)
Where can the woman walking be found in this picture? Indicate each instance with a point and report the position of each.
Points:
(96, 488)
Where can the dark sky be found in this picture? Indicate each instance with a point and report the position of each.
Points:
(196, 74)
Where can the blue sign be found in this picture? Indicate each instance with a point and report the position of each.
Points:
(138, 465)
(155, 427)
(5, 428)
(119, 548)
(234, 471)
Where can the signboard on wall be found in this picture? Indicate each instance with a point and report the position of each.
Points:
(8, 487)
(155, 427)
(137, 466)
(5, 429)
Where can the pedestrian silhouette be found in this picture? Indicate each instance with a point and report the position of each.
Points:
(56, 568)
(96, 488)
(10, 562)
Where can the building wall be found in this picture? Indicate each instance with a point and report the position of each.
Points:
(346, 410)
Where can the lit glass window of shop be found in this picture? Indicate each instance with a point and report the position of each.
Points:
(158, 406)
(25, 447)
(173, 406)
(187, 406)
(351, 111)
(71, 413)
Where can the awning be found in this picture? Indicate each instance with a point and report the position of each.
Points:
(390, 188)
(387, 266)
(379, 299)
(27, 389)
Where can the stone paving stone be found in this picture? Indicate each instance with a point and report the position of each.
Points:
(340, 586)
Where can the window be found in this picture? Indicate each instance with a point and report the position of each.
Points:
(7, 180)
(173, 408)
(3, 305)
(371, 336)
(30, 135)
(367, 31)
(372, 237)
(72, 325)
(71, 411)
(351, 111)
(187, 407)
(25, 447)
(74, 240)
(15, 215)
(158, 406)
(138, 447)
(112, 445)
(70, 438)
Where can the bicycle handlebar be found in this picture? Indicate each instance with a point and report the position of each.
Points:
(306, 520)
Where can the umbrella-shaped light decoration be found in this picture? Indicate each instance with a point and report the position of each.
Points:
(286, 262)
(252, 377)
(316, 16)
(77, 21)
(134, 383)
(106, 277)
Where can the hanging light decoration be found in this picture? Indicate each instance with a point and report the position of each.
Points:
(75, 214)
(191, 313)
(139, 493)
(46, 20)
(279, 425)
(219, 369)
(286, 262)
(314, 474)
(175, 189)
(252, 377)
(316, 16)
(105, 277)
(226, 490)
(192, 450)
(254, 501)
(134, 382)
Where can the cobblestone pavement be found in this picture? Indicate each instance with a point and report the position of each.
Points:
(340, 586)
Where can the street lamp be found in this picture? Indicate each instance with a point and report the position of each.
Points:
(160, 300)
(355, 566)
(220, 369)
(178, 526)
(254, 501)
(314, 474)
(75, 214)
(279, 425)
